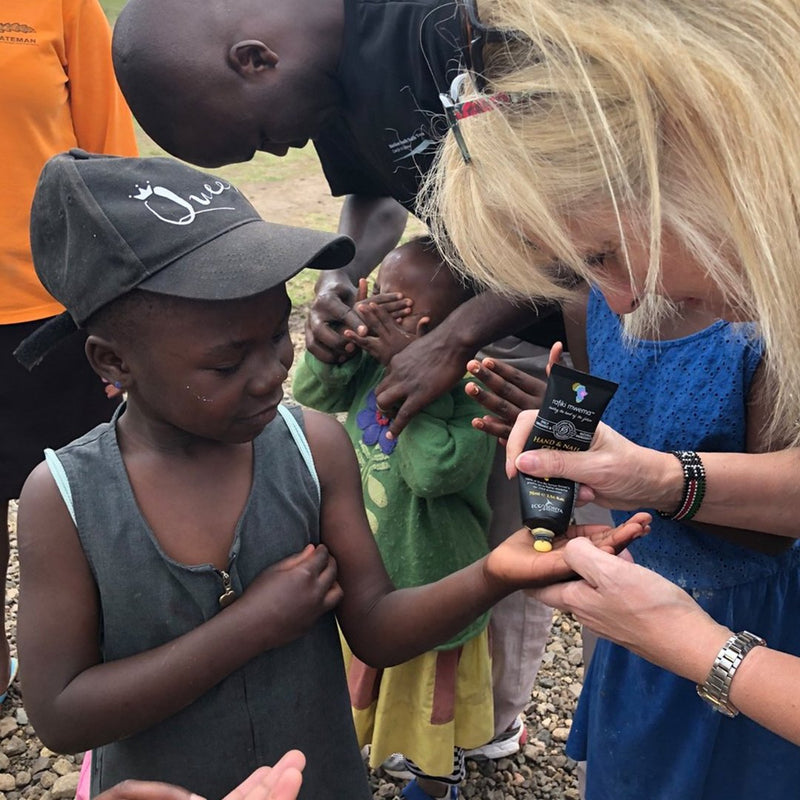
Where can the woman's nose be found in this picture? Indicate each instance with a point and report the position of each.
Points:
(620, 299)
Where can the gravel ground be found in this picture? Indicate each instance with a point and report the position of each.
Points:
(541, 771)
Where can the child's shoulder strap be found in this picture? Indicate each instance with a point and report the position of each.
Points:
(302, 444)
(62, 482)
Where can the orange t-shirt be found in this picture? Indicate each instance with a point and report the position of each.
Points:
(57, 91)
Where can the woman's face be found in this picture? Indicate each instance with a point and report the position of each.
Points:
(683, 279)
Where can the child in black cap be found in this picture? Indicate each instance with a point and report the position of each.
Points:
(182, 563)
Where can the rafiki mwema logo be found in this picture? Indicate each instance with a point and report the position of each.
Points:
(580, 392)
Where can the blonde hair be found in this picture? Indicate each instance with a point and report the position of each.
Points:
(680, 115)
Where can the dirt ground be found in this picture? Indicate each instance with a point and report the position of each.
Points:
(299, 200)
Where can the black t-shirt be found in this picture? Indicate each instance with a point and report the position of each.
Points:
(397, 56)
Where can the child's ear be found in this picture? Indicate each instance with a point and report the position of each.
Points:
(423, 326)
(106, 361)
(251, 56)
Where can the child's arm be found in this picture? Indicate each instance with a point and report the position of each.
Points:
(77, 702)
(439, 452)
(333, 387)
(385, 626)
(327, 387)
(575, 311)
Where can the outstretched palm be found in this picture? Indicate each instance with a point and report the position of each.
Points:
(515, 561)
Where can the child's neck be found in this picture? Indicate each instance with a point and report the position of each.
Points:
(191, 491)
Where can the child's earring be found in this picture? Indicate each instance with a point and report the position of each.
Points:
(112, 390)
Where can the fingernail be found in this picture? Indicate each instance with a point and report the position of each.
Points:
(488, 363)
(389, 435)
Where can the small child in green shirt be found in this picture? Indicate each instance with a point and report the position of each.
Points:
(425, 497)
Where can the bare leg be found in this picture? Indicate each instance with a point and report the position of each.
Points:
(4, 548)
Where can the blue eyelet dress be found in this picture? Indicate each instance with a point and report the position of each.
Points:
(643, 731)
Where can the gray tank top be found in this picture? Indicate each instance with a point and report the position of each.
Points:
(289, 697)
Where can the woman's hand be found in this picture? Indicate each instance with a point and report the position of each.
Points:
(614, 472)
(638, 609)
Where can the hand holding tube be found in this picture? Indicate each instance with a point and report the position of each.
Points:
(614, 472)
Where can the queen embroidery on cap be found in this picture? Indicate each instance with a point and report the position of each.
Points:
(180, 205)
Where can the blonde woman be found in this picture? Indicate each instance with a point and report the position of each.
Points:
(650, 149)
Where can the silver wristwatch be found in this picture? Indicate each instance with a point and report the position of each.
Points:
(717, 687)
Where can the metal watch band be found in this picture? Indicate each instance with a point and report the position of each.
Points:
(717, 686)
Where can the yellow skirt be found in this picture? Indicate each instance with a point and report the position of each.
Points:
(425, 707)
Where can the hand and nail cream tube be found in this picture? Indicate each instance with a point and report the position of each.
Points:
(572, 406)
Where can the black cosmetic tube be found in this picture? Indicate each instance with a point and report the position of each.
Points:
(572, 406)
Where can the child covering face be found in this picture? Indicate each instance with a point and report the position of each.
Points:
(425, 497)
(184, 566)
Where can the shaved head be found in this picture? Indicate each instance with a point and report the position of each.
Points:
(213, 82)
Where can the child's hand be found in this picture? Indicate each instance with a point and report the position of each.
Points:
(394, 302)
(281, 782)
(515, 562)
(290, 596)
(505, 392)
(382, 336)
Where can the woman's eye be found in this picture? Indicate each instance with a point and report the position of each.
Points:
(597, 259)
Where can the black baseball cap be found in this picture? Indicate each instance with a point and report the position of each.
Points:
(104, 225)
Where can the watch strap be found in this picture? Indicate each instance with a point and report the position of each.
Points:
(717, 686)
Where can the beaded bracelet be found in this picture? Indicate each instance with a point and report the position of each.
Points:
(694, 486)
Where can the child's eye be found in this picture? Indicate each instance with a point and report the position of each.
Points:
(280, 335)
(227, 369)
